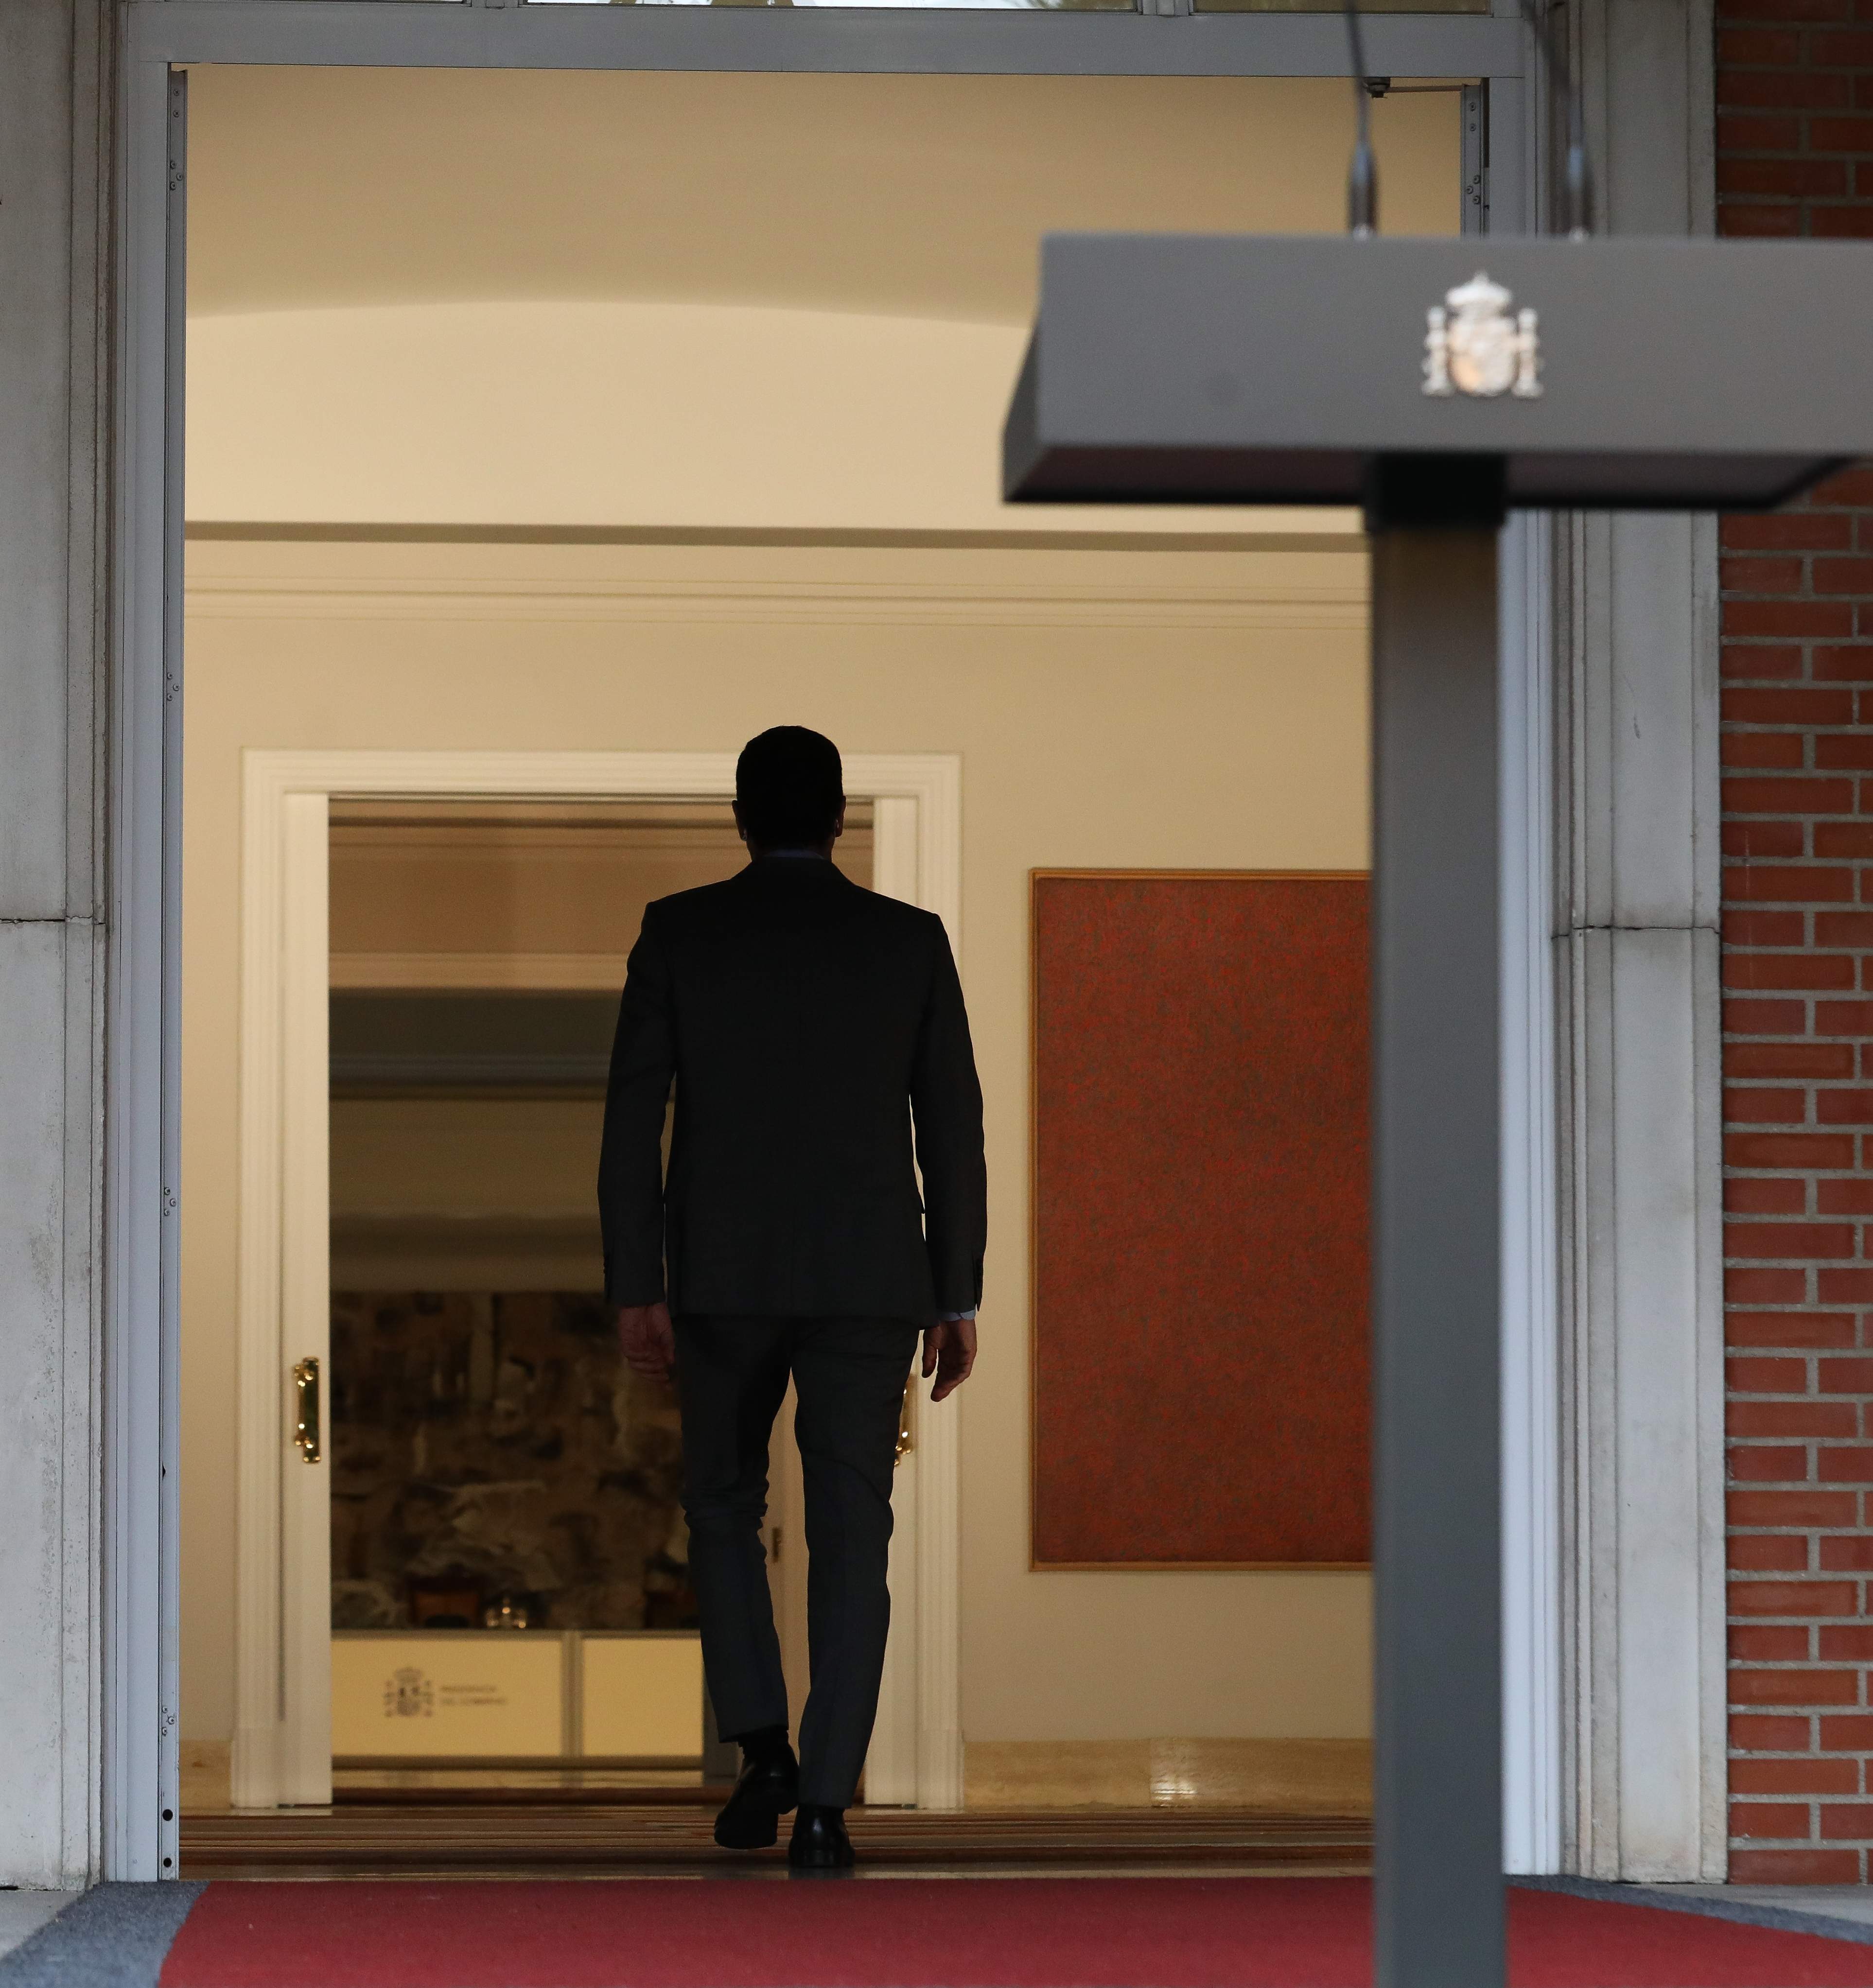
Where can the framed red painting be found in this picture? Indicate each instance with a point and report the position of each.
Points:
(1200, 1211)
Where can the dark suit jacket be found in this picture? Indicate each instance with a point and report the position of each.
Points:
(804, 1021)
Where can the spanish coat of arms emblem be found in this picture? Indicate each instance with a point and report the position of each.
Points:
(1473, 344)
(408, 1694)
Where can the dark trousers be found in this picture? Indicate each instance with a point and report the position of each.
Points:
(849, 1377)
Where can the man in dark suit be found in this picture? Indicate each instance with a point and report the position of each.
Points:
(807, 1024)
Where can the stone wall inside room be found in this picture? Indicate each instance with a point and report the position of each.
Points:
(1795, 161)
(491, 1447)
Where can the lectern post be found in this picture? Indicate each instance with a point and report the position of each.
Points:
(1436, 1284)
(1614, 375)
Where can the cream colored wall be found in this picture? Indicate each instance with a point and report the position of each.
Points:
(648, 301)
(897, 196)
(1128, 708)
(613, 414)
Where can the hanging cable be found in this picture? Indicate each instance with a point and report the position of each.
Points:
(1362, 190)
(1362, 183)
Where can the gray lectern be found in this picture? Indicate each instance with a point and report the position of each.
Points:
(1438, 384)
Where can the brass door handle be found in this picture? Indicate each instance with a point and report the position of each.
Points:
(305, 1400)
(907, 1436)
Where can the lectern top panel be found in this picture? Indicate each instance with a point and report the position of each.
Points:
(1619, 373)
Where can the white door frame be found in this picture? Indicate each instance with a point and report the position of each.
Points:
(282, 1748)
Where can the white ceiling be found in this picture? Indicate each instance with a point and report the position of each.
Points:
(918, 196)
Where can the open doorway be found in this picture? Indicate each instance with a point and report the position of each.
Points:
(666, 525)
(511, 1606)
(423, 1046)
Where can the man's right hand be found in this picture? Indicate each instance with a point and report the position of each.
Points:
(649, 1342)
(949, 1353)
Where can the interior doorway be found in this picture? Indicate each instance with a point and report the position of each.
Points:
(511, 1604)
(449, 1324)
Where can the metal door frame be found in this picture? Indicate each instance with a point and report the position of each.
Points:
(142, 1134)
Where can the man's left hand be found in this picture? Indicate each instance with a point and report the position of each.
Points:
(644, 1332)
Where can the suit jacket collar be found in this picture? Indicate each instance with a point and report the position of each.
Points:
(804, 872)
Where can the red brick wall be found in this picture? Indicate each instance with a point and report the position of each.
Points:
(1795, 158)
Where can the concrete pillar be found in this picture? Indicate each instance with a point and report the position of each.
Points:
(55, 96)
(1636, 959)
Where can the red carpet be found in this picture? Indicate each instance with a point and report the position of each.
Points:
(1079, 1932)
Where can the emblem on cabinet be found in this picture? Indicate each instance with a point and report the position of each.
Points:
(1474, 344)
(409, 1694)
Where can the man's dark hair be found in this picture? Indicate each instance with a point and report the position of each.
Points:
(790, 786)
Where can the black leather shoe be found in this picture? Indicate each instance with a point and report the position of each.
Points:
(769, 1786)
(819, 1840)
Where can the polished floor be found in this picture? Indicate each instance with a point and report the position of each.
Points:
(539, 1833)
